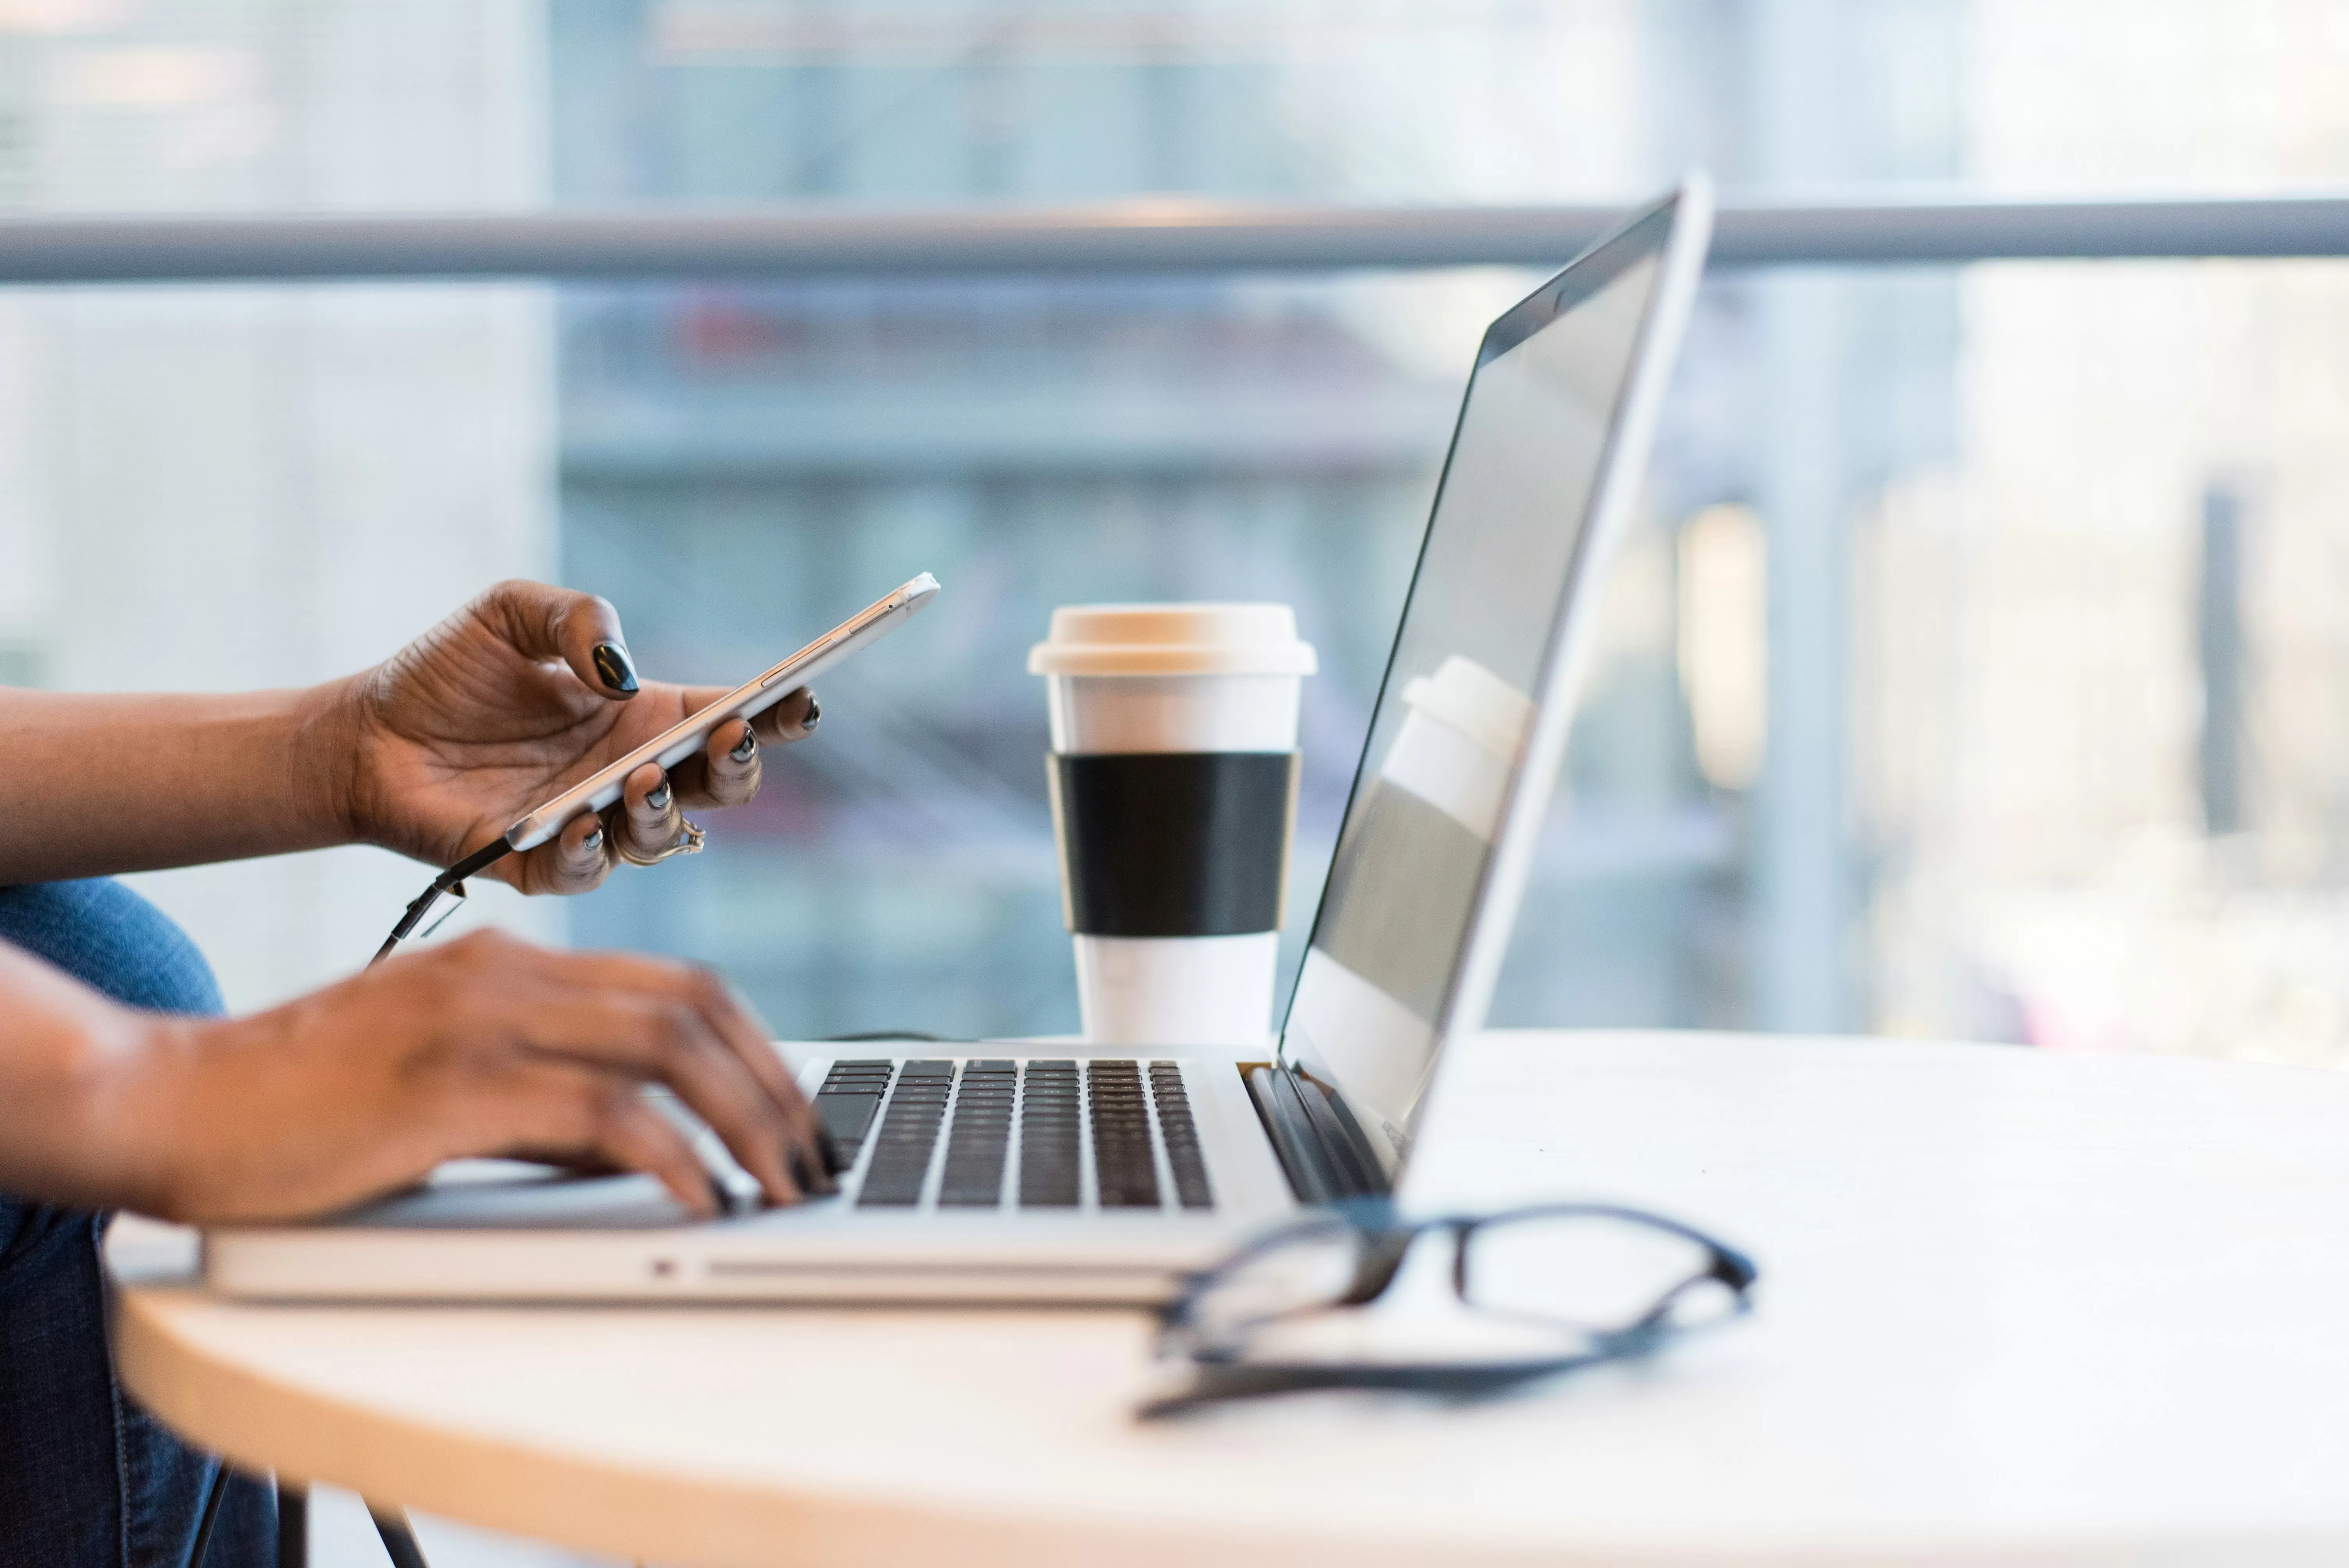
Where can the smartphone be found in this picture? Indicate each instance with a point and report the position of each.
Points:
(861, 630)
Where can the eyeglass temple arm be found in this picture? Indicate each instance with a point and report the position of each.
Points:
(450, 880)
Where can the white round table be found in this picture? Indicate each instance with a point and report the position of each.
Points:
(2016, 1307)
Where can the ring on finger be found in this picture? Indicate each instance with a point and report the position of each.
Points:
(687, 843)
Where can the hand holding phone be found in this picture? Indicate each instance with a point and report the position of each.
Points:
(752, 698)
(541, 821)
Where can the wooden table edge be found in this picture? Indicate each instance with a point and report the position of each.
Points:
(598, 1505)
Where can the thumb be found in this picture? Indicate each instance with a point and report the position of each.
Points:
(582, 630)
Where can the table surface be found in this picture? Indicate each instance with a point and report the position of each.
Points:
(2017, 1307)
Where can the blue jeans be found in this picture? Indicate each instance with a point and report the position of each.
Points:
(88, 1478)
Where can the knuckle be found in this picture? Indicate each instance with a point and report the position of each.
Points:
(676, 1030)
(605, 1110)
(468, 952)
(504, 592)
(672, 972)
(709, 988)
(489, 946)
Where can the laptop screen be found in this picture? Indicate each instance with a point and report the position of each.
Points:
(1503, 548)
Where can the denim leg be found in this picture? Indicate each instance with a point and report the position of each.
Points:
(86, 1477)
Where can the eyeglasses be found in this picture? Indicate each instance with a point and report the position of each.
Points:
(1533, 1291)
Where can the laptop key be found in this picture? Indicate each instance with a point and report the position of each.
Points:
(1124, 1172)
(846, 1117)
(1184, 1157)
(851, 1093)
(910, 1131)
(979, 1141)
(1048, 1142)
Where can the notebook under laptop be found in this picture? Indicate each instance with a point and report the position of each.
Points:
(1023, 1171)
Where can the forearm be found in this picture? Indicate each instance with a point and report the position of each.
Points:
(65, 1050)
(96, 785)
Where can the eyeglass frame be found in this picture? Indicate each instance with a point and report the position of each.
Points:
(1225, 1372)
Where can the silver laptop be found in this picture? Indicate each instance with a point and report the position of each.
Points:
(1050, 1172)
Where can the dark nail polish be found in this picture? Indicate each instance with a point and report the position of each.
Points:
(829, 1147)
(719, 1197)
(815, 712)
(797, 1159)
(658, 799)
(747, 748)
(815, 1179)
(619, 673)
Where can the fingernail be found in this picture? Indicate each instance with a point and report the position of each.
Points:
(658, 799)
(815, 712)
(814, 1180)
(619, 673)
(594, 841)
(797, 1159)
(747, 748)
(829, 1147)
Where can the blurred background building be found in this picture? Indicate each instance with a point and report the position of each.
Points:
(1975, 673)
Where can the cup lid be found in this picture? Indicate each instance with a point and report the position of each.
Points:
(1474, 701)
(1172, 640)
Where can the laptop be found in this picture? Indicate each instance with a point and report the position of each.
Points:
(1050, 1172)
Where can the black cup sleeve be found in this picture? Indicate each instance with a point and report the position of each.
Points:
(1188, 843)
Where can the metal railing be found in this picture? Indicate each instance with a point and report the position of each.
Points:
(1151, 236)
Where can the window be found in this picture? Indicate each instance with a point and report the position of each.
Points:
(1974, 674)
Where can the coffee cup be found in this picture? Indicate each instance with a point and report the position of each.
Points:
(1174, 775)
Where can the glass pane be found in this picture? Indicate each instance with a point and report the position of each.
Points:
(1975, 673)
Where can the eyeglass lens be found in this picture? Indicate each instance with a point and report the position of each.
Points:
(1307, 1268)
(1594, 1272)
(1580, 1272)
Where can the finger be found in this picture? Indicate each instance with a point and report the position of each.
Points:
(747, 1035)
(575, 860)
(728, 1017)
(652, 820)
(788, 719)
(666, 1040)
(544, 622)
(794, 719)
(729, 772)
(587, 1114)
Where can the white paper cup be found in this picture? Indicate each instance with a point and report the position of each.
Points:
(1175, 855)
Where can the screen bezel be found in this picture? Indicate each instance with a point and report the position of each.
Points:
(1677, 230)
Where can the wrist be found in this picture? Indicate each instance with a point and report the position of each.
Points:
(127, 1112)
(329, 761)
(79, 1092)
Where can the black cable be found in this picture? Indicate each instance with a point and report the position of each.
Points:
(210, 1516)
(293, 1525)
(398, 1540)
(448, 881)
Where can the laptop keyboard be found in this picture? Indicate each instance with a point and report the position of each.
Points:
(1018, 1134)
(1050, 1146)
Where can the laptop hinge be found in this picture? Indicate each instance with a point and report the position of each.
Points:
(1320, 1146)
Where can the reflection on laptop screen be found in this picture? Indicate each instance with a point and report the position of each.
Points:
(1453, 717)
